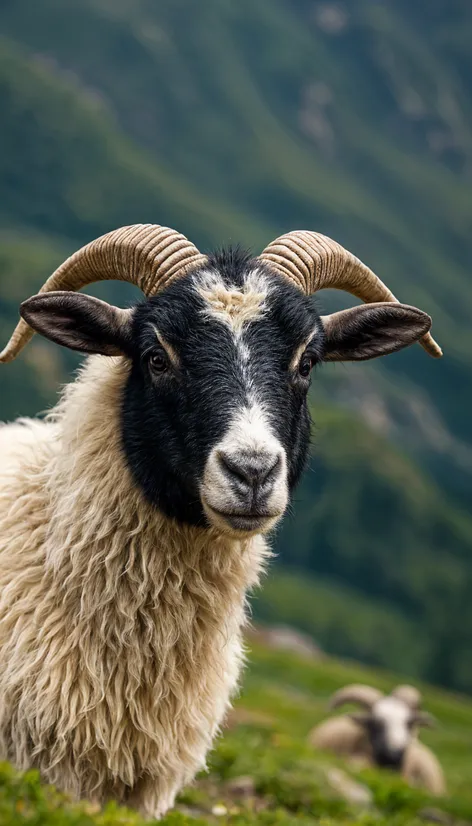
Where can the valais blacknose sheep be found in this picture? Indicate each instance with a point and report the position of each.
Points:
(384, 734)
(132, 520)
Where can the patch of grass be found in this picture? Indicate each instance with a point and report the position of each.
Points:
(264, 773)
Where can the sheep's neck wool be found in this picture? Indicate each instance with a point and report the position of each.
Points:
(126, 704)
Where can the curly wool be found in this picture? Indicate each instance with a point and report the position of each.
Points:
(120, 630)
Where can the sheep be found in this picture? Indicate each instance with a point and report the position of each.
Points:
(133, 520)
(384, 735)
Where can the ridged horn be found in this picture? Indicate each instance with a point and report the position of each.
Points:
(147, 255)
(409, 695)
(363, 695)
(314, 262)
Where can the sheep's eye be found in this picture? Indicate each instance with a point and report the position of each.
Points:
(306, 363)
(158, 362)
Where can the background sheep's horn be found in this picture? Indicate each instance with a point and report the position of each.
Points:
(409, 695)
(363, 695)
(147, 255)
(314, 262)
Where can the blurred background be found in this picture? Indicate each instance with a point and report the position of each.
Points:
(234, 122)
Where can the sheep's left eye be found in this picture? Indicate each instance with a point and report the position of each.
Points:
(304, 368)
(158, 362)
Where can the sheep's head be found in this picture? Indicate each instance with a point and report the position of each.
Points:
(214, 419)
(391, 722)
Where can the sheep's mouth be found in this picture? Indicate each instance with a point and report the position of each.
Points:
(239, 522)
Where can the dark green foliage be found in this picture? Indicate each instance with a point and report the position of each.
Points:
(344, 621)
(391, 556)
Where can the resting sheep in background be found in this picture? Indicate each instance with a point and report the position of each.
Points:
(132, 519)
(385, 734)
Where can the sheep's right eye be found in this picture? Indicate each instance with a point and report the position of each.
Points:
(158, 362)
(305, 366)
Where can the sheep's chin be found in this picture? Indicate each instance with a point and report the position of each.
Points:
(239, 526)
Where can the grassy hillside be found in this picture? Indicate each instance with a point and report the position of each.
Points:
(263, 772)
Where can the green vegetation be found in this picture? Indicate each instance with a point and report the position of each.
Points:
(235, 121)
(389, 556)
(263, 773)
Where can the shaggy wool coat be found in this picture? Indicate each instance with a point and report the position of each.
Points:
(120, 631)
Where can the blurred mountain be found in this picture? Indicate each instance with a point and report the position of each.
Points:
(237, 121)
(387, 553)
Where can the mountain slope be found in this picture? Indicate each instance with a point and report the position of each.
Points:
(368, 521)
(66, 169)
(67, 175)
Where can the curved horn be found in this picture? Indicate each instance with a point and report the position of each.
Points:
(314, 262)
(409, 695)
(363, 695)
(147, 255)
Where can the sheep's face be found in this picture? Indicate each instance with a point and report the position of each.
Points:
(391, 726)
(215, 422)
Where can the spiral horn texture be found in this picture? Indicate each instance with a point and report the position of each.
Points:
(147, 255)
(314, 262)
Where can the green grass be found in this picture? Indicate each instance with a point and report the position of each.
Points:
(284, 695)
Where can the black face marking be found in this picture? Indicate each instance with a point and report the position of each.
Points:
(384, 754)
(172, 418)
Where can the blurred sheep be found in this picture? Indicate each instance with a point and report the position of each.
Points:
(384, 733)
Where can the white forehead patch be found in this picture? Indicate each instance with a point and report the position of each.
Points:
(233, 306)
(395, 715)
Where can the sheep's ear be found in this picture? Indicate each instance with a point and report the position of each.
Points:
(371, 330)
(424, 719)
(362, 718)
(79, 322)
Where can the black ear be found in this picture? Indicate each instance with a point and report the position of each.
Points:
(372, 330)
(423, 718)
(79, 322)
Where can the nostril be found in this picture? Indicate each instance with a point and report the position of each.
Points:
(253, 470)
(272, 470)
(233, 468)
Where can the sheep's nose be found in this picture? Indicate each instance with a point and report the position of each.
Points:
(251, 475)
(391, 758)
